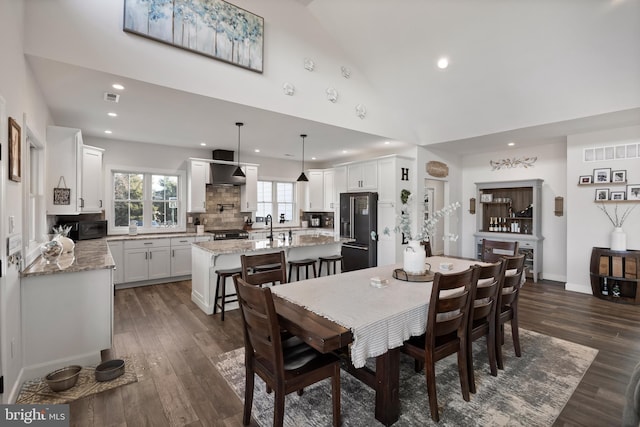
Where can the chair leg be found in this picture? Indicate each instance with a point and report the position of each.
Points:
(248, 396)
(491, 349)
(320, 269)
(499, 341)
(215, 301)
(430, 374)
(515, 332)
(470, 370)
(335, 394)
(290, 272)
(314, 270)
(278, 410)
(462, 370)
(306, 271)
(224, 297)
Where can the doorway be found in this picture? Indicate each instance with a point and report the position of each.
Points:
(434, 201)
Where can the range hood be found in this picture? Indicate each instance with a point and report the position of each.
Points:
(222, 173)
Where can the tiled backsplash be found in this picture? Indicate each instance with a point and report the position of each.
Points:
(230, 217)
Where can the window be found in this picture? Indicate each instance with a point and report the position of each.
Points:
(35, 228)
(151, 200)
(276, 199)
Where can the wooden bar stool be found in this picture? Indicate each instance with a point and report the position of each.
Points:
(330, 260)
(302, 263)
(221, 290)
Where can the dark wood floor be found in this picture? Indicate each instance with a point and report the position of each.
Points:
(176, 342)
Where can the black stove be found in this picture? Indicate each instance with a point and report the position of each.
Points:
(229, 234)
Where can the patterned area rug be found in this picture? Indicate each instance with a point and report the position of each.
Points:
(531, 391)
(38, 392)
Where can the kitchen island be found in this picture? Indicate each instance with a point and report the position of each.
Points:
(208, 257)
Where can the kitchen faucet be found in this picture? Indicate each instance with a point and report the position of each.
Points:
(268, 220)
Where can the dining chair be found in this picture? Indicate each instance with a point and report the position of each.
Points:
(482, 315)
(427, 247)
(261, 268)
(493, 250)
(507, 310)
(285, 366)
(446, 331)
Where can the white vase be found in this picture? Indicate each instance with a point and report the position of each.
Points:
(67, 244)
(415, 258)
(618, 240)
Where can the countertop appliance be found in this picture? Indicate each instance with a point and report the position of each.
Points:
(316, 221)
(229, 234)
(85, 230)
(359, 221)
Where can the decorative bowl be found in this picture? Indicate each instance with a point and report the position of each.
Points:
(63, 379)
(109, 370)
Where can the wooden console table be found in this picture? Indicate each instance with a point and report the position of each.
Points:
(615, 275)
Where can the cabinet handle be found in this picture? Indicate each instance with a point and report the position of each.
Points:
(150, 255)
(173, 253)
(81, 202)
(146, 255)
(148, 243)
(204, 204)
(100, 203)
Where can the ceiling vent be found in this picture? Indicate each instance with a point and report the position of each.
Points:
(111, 97)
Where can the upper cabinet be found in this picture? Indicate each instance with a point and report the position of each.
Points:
(329, 177)
(74, 173)
(362, 176)
(315, 190)
(249, 191)
(197, 179)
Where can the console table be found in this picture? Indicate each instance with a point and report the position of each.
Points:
(615, 275)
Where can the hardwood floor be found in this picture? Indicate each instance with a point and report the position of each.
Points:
(175, 343)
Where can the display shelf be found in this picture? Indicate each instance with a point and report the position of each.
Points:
(600, 184)
(615, 275)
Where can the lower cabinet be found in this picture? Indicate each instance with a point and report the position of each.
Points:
(181, 256)
(117, 252)
(147, 259)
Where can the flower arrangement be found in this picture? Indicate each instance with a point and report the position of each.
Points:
(616, 219)
(428, 227)
(62, 230)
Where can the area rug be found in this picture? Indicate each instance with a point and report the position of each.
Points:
(531, 391)
(38, 392)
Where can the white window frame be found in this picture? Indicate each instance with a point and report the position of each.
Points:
(296, 189)
(147, 202)
(34, 206)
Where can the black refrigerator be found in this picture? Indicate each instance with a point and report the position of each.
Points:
(359, 221)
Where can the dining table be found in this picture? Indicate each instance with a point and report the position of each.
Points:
(368, 312)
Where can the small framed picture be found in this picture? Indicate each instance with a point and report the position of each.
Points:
(602, 175)
(619, 176)
(585, 179)
(486, 198)
(618, 195)
(15, 159)
(633, 192)
(603, 194)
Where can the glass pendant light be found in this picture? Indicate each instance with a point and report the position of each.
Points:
(303, 177)
(238, 171)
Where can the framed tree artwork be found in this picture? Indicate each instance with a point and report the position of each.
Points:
(15, 155)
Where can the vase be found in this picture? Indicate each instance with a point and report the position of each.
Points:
(51, 250)
(67, 244)
(415, 258)
(618, 240)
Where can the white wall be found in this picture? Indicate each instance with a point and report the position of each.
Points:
(589, 227)
(550, 166)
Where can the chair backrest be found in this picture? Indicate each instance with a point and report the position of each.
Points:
(260, 321)
(427, 247)
(448, 311)
(485, 297)
(254, 275)
(512, 282)
(493, 250)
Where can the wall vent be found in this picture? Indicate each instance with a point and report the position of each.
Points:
(111, 97)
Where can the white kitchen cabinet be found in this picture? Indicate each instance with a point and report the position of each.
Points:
(91, 180)
(362, 176)
(147, 259)
(198, 172)
(329, 190)
(181, 256)
(315, 190)
(117, 253)
(64, 169)
(249, 191)
(386, 184)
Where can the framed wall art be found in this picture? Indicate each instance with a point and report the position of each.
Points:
(633, 192)
(212, 28)
(619, 176)
(585, 179)
(618, 195)
(602, 194)
(15, 155)
(602, 175)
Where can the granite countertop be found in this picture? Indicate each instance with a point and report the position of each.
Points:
(87, 255)
(118, 237)
(242, 246)
(285, 228)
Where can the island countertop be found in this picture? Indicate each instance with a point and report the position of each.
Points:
(220, 247)
(87, 255)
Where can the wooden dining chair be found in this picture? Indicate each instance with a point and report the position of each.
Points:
(482, 316)
(285, 366)
(508, 305)
(427, 247)
(493, 250)
(261, 268)
(446, 331)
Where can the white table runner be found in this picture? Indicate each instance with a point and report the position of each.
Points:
(379, 318)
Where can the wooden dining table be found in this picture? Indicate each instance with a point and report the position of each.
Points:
(346, 311)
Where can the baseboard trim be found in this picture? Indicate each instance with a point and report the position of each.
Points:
(575, 287)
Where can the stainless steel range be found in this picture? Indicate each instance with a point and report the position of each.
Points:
(229, 234)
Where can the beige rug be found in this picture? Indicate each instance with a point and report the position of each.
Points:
(38, 392)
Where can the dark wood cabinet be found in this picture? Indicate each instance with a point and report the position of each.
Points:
(615, 274)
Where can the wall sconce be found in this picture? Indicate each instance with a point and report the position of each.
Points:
(559, 206)
(472, 205)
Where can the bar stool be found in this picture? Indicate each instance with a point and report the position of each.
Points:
(221, 290)
(302, 263)
(330, 260)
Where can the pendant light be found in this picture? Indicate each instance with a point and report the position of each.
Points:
(303, 177)
(238, 172)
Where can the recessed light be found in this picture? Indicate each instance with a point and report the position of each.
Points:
(203, 144)
(443, 63)
(344, 151)
(257, 150)
(511, 144)
(117, 86)
(108, 132)
(112, 114)
(313, 158)
(387, 142)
